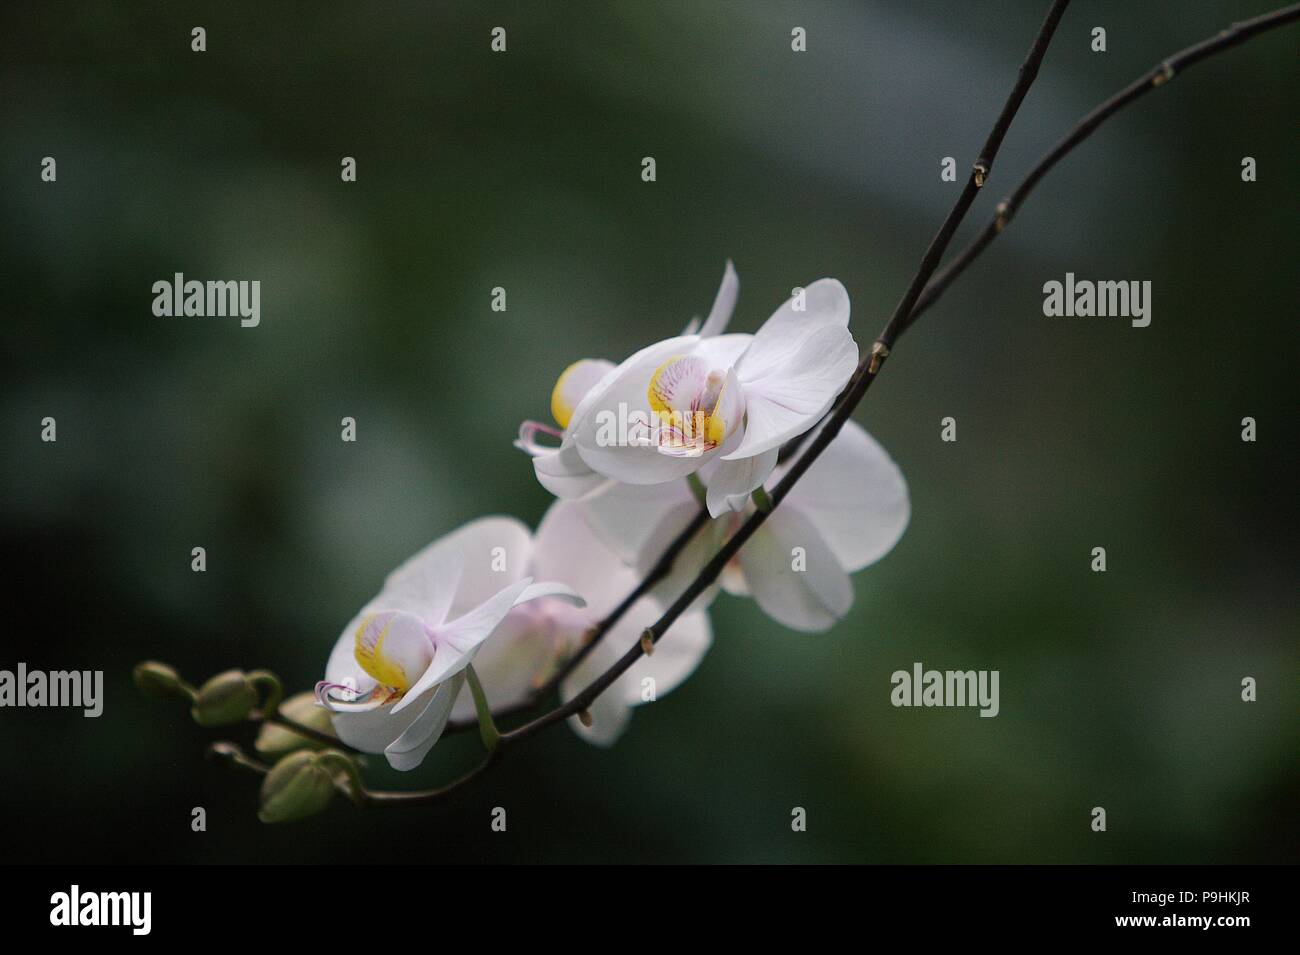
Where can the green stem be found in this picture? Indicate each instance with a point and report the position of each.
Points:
(357, 791)
(268, 681)
(697, 488)
(487, 729)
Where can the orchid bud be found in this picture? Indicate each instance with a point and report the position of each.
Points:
(159, 680)
(297, 786)
(276, 740)
(226, 698)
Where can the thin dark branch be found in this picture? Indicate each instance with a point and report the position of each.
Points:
(316, 735)
(1157, 76)
(425, 796)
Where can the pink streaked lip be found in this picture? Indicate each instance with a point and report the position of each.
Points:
(528, 432)
(375, 697)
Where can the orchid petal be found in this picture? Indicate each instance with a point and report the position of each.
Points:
(723, 351)
(791, 397)
(568, 549)
(392, 646)
(856, 496)
(826, 304)
(553, 590)
(459, 570)
(455, 642)
(523, 648)
(609, 718)
(408, 750)
(675, 658)
(573, 385)
(636, 522)
(730, 482)
(639, 523)
(565, 474)
(724, 303)
(424, 585)
(811, 599)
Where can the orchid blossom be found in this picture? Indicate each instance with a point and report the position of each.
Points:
(561, 469)
(399, 665)
(535, 639)
(847, 511)
(718, 404)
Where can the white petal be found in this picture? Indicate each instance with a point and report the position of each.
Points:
(455, 642)
(677, 654)
(553, 590)
(521, 647)
(565, 474)
(408, 750)
(724, 350)
(826, 304)
(567, 549)
(811, 599)
(856, 497)
(425, 585)
(573, 385)
(609, 718)
(637, 522)
(342, 664)
(676, 657)
(731, 481)
(790, 397)
(724, 303)
(493, 551)
(373, 730)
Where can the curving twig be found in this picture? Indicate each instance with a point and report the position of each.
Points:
(1158, 75)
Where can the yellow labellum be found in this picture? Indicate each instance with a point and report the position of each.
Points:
(706, 423)
(372, 659)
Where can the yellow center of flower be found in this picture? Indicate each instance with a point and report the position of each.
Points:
(370, 638)
(688, 402)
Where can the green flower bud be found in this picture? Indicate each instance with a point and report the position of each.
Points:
(275, 740)
(159, 680)
(297, 786)
(226, 698)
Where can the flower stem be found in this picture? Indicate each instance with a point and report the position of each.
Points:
(356, 789)
(487, 729)
(265, 679)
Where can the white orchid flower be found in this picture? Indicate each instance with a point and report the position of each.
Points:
(534, 639)
(560, 468)
(847, 511)
(721, 404)
(399, 666)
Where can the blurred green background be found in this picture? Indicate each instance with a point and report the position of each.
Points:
(523, 171)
